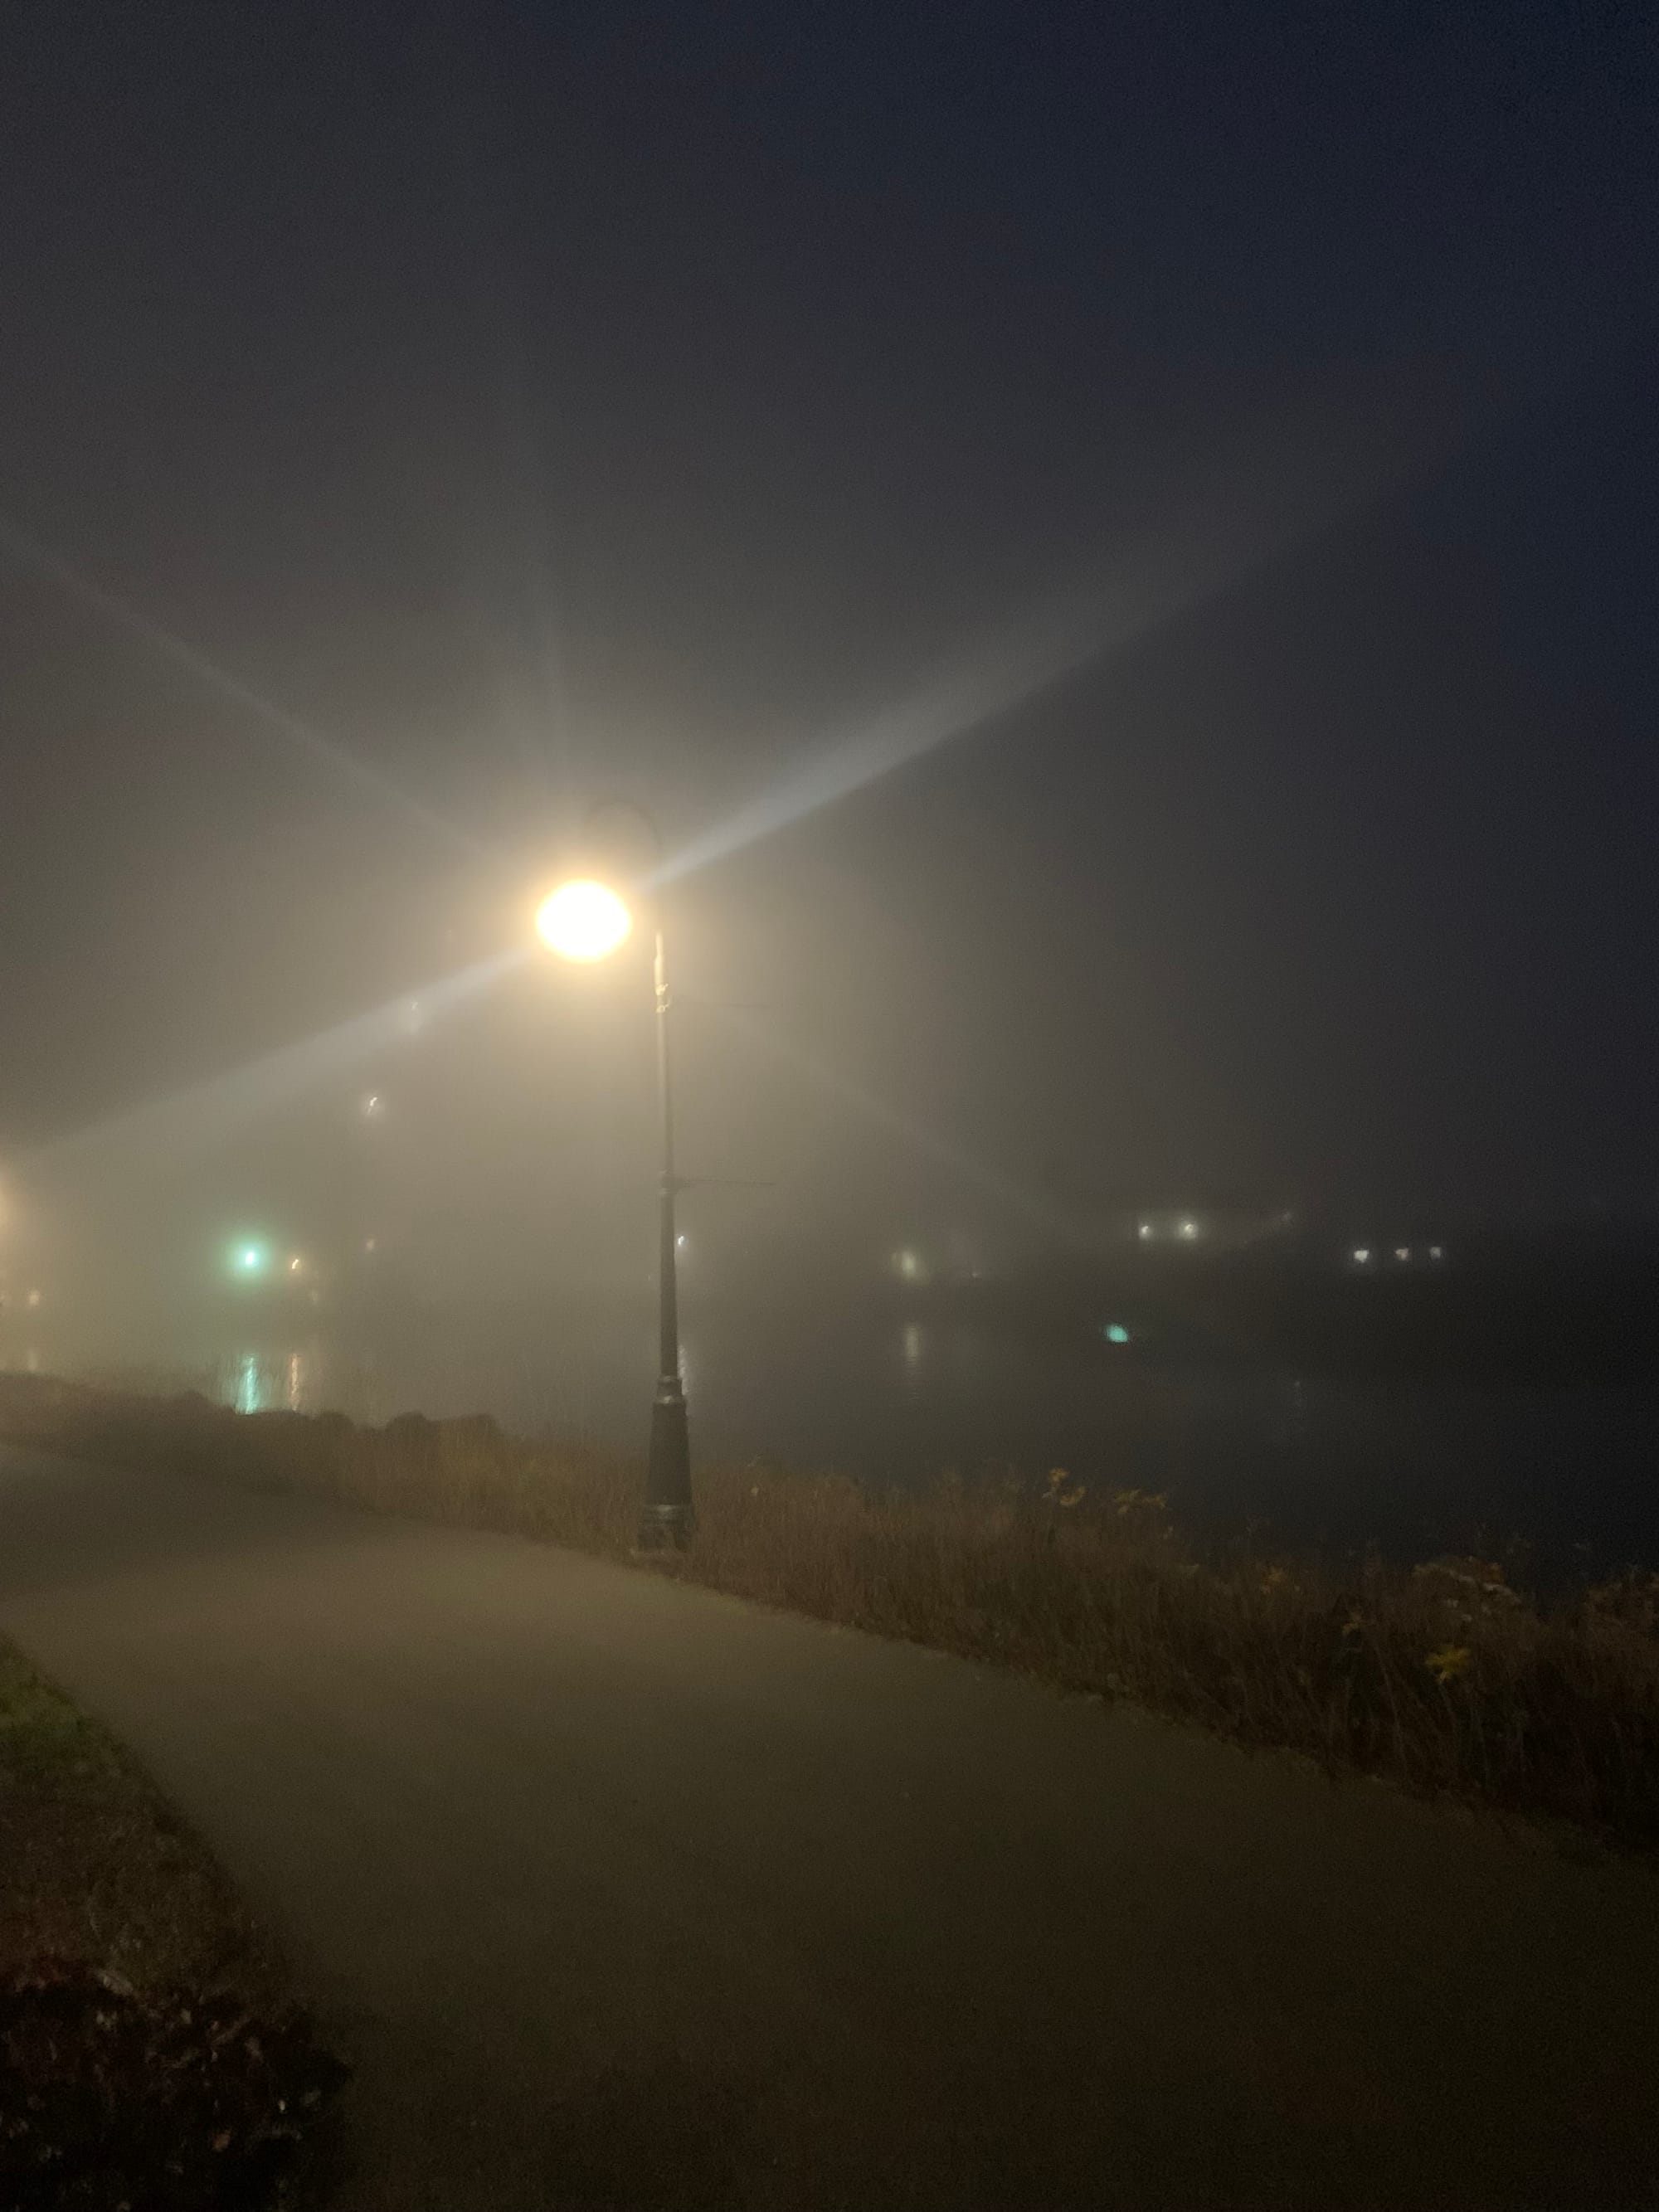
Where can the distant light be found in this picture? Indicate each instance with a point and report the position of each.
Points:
(583, 921)
(1437, 1251)
(1362, 1256)
(1114, 1333)
(1190, 1229)
(250, 1259)
(33, 1299)
(679, 1241)
(372, 1106)
(1146, 1232)
(370, 1243)
(908, 1265)
(295, 1264)
(1402, 1251)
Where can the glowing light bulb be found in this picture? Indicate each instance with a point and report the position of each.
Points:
(583, 921)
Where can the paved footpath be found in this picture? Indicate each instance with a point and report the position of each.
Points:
(624, 1895)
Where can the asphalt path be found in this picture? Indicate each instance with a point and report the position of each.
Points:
(621, 1894)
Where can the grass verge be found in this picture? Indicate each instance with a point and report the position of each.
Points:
(148, 2057)
(1445, 1678)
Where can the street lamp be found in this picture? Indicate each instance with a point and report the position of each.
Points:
(585, 920)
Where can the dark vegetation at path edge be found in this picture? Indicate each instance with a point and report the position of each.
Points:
(149, 2057)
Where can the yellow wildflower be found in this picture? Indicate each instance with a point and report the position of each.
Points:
(1448, 1663)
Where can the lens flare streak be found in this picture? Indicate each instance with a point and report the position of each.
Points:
(207, 1112)
(43, 562)
(1192, 560)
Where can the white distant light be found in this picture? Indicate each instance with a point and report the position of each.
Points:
(908, 1265)
(1362, 1256)
(370, 1243)
(1146, 1232)
(1437, 1251)
(583, 921)
(372, 1106)
(1190, 1229)
(1402, 1252)
(679, 1241)
(33, 1299)
(295, 1264)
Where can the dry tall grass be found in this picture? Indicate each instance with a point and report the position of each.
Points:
(1444, 1677)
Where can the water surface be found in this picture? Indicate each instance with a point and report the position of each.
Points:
(1417, 1465)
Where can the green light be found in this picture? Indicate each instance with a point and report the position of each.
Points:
(1115, 1332)
(250, 1259)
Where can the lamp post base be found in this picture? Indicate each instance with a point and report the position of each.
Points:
(666, 1517)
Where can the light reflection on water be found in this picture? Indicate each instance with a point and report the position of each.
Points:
(263, 1383)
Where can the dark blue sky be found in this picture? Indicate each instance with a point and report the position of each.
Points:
(538, 401)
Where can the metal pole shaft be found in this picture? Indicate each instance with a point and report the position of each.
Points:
(667, 1517)
(668, 1342)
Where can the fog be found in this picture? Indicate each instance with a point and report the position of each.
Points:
(1133, 634)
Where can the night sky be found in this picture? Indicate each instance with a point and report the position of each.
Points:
(529, 403)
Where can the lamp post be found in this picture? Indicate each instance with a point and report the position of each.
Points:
(585, 920)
